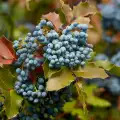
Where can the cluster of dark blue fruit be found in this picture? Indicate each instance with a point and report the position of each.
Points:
(49, 107)
(34, 93)
(116, 59)
(111, 19)
(68, 49)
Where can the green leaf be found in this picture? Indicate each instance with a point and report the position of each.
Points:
(104, 64)
(6, 79)
(98, 102)
(80, 113)
(113, 69)
(12, 103)
(69, 106)
(47, 71)
(93, 100)
(91, 71)
(60, 79)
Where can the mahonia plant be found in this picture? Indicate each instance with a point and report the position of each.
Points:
(48, 62)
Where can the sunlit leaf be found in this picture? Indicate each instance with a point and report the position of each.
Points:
(47, 71)
(69, 106)
(60, 79)
(113, 69)
(12, 103)
(54, 18)
(94, 100)
(104, 64)
(91, 71)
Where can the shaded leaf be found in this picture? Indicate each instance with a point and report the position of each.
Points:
(12, 103)
(91, 71)
(7, 53)
(69, 107)
(60, 79)
(66, 10)
(6, 79)
(54, 18)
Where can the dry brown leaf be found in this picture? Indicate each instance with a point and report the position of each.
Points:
(84, 9)
(67, 11)
(54, 18)
(93, 36)
(83, 20)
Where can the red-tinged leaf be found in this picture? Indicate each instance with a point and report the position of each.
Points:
(7, 53)
(39, 69)
(54, 18)
(32, 77)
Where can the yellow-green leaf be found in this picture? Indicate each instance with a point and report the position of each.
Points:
(47, 71)
(113, 69)
(6, 79)
(12, 103)
(104, 64)
(94, 100)
(69, 106)
(91, 71)
(60, 79)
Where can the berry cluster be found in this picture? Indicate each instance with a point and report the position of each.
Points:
(33, 93)
(113, 85)
(116, 59)
(69, 49)
(111, 19)
(49, 107)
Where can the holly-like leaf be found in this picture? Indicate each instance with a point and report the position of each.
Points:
(83, 20)
(84, 9)
(6, 79)
(54, 18)
(12, 103)
(60, 79)
(113, 69)
(91, 71)
(66, 10)
(7, 54)
(93, 100)
(69, 107)
(47, 71)
(104, 64)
